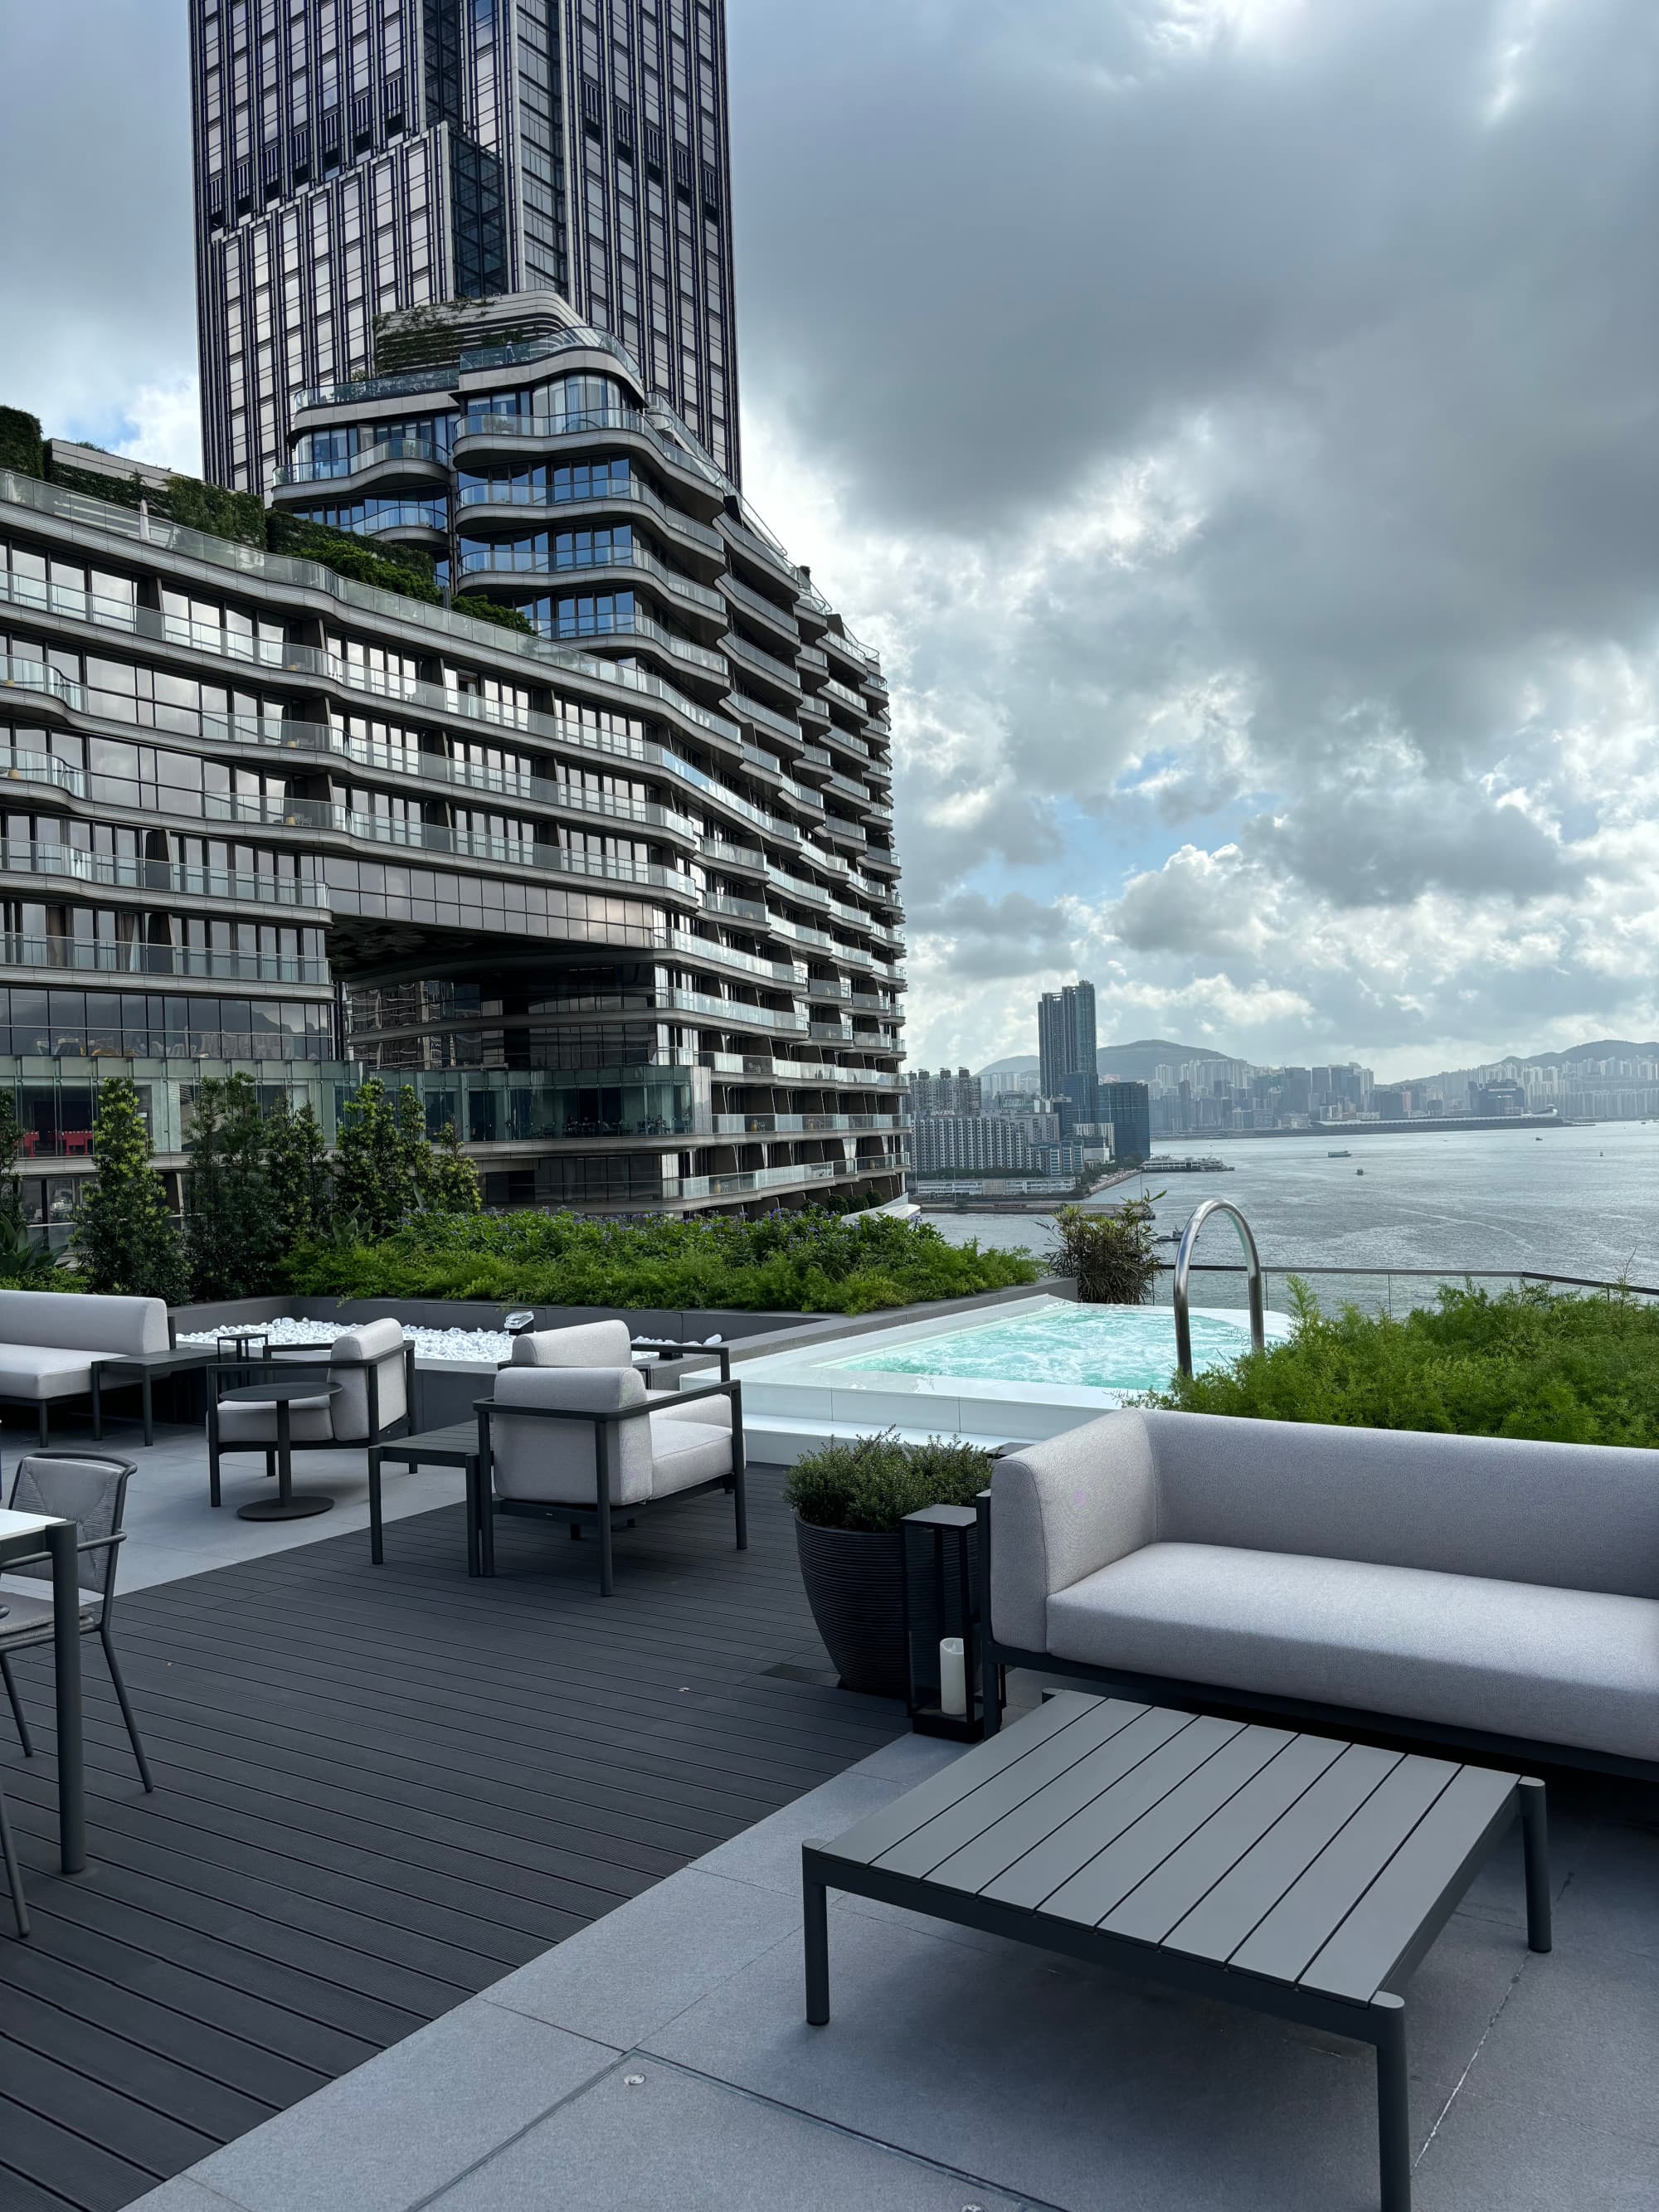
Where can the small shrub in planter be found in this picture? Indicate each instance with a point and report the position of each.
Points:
(849, 1500)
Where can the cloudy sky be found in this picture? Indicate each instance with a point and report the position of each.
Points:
(1237, 421)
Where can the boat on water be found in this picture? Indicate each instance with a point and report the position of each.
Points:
(1342, 1156)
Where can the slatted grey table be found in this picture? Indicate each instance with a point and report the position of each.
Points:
(1298, 1875)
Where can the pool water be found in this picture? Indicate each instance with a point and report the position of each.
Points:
(1126, 1348)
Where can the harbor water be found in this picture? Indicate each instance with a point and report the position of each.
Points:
(1572, 1201)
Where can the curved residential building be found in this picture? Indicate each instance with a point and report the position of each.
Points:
(691, 756)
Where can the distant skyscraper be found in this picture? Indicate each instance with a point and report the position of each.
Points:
(354, 157)
(1066, 1039)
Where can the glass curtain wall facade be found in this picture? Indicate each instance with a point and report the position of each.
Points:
(357, 157)
(622, 906)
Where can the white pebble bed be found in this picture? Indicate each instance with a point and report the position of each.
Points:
(482, 1346)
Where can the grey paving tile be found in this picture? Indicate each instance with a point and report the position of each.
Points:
(1577, 2038)
(393, 2132)
(1501, 2154)
(671, 2140)
(632, 1972)
(909, 1759)
(182, 2194)
(768, 1854)
(1081, 2088)
(1498, 1890)
(1612, 1899)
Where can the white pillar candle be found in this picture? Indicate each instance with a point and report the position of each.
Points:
(952, 1677)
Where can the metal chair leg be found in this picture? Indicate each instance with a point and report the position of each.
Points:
(23, 1736)
(126, 1704)
(13, 1871)
(376, 1526)
(43, 1423)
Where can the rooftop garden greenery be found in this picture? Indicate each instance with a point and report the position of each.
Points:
(242, 517)
(808, 1263)
(870, 1483)
(1524, 1362)
(493, 611)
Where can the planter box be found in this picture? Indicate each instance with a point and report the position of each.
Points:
(854, 1580)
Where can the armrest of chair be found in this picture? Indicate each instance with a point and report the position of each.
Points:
(666, 1349)
(1064, 1509)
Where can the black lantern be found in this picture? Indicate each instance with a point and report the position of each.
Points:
(941, 1556)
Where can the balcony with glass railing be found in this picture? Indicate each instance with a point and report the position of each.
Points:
(502, 493)
(422, 451)
(119, 871)
(93, 957)
(522, 561)
(38, 678)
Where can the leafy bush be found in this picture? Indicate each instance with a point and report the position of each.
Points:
(1108, 1255)
(239, 515)
(872, 1482)
(21, 447)
(401, 568)
(232, 1231)
(124, 1239)
(805, 1262)
(494, 611)
(1570, 1369)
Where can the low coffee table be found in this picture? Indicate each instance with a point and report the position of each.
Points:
(455, 1446)
(1299, 1875)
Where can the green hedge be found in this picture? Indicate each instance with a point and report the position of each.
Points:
(1577, 1370)
(492, 610)
(808, 1263)
(238, 515)
(21, 447)
(401, 568)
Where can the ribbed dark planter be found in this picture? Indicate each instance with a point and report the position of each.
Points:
(854, 1580)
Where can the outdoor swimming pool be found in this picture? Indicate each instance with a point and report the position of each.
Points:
(1122, 1348)
(1011, 1373)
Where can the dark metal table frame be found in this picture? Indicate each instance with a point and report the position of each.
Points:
(62, 1540)
(1410, 1894)
(286, 1505)
(143, 1367)
(454, 1446)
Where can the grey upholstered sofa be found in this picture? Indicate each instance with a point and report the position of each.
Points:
(49, 1339)
(1481, 1590)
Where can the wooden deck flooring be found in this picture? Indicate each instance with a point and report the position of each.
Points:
(378, 1790)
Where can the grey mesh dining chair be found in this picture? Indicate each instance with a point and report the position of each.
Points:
(91, 1491)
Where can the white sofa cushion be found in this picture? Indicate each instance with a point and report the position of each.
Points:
(82, 1322)
(242, 1428)
(1560, 1666)
(686, 1452)
(35, 1371)
(583, 1344)
(381, 1342)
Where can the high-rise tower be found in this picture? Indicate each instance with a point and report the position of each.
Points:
(1065, 1037)
(356, 157)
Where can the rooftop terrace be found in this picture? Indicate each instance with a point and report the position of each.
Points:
(486, 1895)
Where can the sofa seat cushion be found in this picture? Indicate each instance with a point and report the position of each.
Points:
(685, 1451)
(246, 1428)
(1568, 1667)
(26, 1609)
(37, 1371)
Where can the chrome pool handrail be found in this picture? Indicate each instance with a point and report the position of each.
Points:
(1183, 1267)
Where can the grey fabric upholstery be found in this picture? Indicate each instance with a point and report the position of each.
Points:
(82, 1322)
(250, 1428)
(1060, 1510)
(28, 1616)
(35, 1371)
(85, 1491)
(1506, 1587)
(585, 1344)
(1563, 1666)
(381, 1342)
(1567, 1516)
(554, 1461)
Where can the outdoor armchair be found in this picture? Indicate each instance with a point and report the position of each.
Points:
(374, 1369)
(585, 1444)
(91, 1491)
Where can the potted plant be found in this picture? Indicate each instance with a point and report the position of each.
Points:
(849, 1500)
